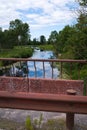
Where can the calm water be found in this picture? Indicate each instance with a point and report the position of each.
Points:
(39, 65)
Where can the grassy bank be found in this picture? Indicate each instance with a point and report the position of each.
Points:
(46, 47)
(17, 52)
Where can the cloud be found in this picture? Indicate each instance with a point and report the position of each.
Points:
(38, 13)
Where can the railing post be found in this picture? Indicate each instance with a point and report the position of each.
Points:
(70, 116)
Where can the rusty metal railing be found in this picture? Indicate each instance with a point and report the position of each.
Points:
(46, 102)
(27, 99)
(22, 66)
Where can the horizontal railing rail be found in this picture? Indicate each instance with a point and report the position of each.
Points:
(44, 102)
(55, 60)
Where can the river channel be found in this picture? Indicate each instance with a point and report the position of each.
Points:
(39, 65)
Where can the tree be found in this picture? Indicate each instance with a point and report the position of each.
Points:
(72, 41)
(42, 39)
(81, 26)
(5, 39)
(20, 29)
(62, 39)
(53, 37)
(35, 41)
(82, 2)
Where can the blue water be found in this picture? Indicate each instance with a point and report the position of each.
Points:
(39, 65)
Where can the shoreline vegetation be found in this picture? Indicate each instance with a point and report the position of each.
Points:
(23, 51)
(17, 52)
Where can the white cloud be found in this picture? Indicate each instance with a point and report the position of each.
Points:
(45, 12)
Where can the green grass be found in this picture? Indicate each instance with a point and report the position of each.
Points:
(17, 52)
(46, 47)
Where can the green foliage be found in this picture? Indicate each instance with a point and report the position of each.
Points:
(46, 47)
(9, 38)
(28, 124)
(83, 2)
(42, 39)
(38, 122)
(64, 43)
(83, 71)
(53, 37)
(17, 52)
(20, 52)
(71, 41)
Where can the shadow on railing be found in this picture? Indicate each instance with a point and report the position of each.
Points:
(44, 68)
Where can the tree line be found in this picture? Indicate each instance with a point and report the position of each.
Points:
(18, 33)
(71, 41)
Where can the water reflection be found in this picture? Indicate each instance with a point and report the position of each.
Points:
(31, 68)
(39, 65)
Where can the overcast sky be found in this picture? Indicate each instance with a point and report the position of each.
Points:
(43, 16)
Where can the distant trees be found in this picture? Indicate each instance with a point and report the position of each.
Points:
(20, 29)
(35, 41)
(53, 38)
(42, 39)
(71, 41)
(9, 38)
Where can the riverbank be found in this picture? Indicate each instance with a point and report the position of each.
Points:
(17, 52)
(46, 47)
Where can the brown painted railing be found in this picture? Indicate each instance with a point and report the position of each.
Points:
(59, 62)
(69, 104)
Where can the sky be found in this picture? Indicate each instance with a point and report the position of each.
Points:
(43, 16)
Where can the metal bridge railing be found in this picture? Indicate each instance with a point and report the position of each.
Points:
(19, 67)
(37, 101)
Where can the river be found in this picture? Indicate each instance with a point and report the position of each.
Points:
(39, 65)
